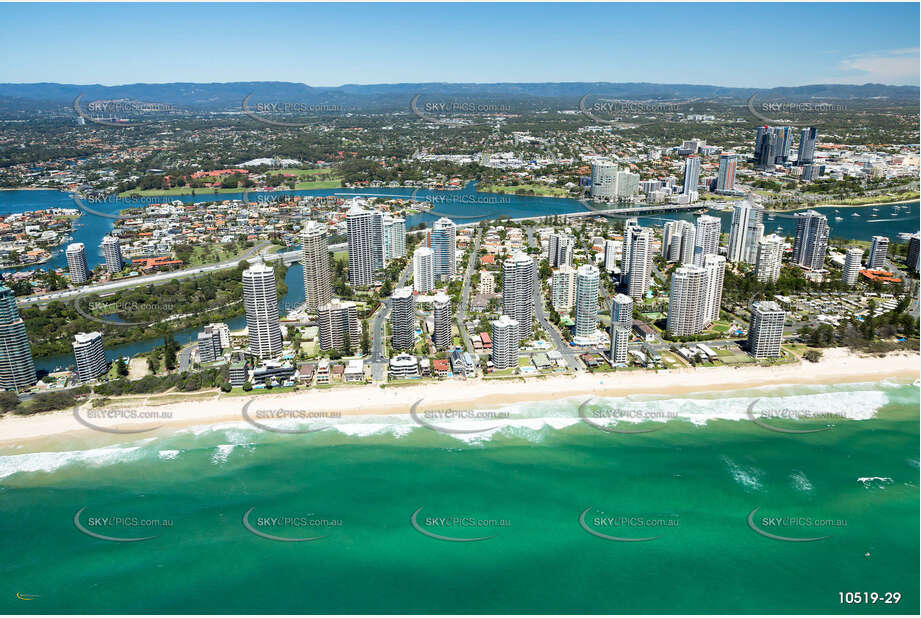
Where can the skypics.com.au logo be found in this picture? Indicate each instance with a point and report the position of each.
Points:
(626, 528)
(120, 420)
(462, 526)
(609, 111)
(288, 527)
(800, 114)
(118, 527)
(290, 114)
(122, 113)
(442, 109)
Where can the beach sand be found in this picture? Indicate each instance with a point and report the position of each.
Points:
(836, 366)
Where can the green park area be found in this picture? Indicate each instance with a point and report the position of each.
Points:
(539, 190)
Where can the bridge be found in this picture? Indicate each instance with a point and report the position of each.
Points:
(290, 257)
(636, 210)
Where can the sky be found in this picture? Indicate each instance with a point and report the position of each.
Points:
(738, 45)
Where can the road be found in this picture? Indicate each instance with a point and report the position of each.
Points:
(159, 278)
(155, 279)
(380, 363)
(185, 357)
(465, 295)
(570, 357)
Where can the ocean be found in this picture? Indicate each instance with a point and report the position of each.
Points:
(540, 488)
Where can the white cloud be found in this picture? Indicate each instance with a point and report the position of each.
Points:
(894, 67)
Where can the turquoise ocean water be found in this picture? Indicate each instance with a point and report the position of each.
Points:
(691, 484)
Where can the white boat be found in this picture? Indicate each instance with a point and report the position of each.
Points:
(856, 214)
(839, 218)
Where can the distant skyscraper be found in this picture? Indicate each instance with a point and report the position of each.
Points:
(914, 252)
(851, 270)
(766, 154)
(758, 137)
(678, 239)
(338, 325)
(377, 239)
(505, 339)
(559, 249)
(441, 321)
(622, 311)
(611, 248)
(76, 263)
(628, 184)
(90, 356)
(784, 141)
(706, 238)
(879, 249)
(715, 267)
(443, 247)
(17, 370)
(807, 141)
(620, 341)
(587, 280)
(669, 230)
(423, 270)
(811, 240)
(394, 237)
(604, 180)
(403, 318)
(765, 332)
(770, 255)
(625, 252)
(209, 346)
(112, 252)
(518, 276)
(691, 174)
(726, 177)
(810, 171)
(260, 299)
(745, 232)
(686, 300)
(563, 287)
(315, 258)
(688, 240)
(640, 260)
(360, 231)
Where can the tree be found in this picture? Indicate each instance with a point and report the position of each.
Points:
(247, 386)
(226, 387)
(170, 348)
(813, 356)
(365, 337)
(121, 366)
(8, 401)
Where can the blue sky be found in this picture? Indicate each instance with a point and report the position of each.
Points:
(745, 45)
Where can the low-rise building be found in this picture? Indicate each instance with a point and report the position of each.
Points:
(404, 366)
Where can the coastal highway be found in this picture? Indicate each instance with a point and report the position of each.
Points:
(379, 363)
(570, 356)
(465, 295)
(157, 278)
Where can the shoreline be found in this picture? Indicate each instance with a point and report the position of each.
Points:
(838, 366)
(911, 201)
(557, 197)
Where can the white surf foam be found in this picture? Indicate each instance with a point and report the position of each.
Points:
(51, 461)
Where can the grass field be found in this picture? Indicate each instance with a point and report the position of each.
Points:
(311, 178)
(541, 190)
(178, 191)
(213, 254)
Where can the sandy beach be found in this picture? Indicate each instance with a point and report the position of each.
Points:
(836, 366)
